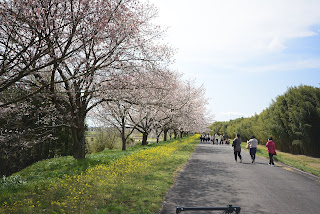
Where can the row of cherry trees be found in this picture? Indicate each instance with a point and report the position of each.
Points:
(158, 105)
(61, 59)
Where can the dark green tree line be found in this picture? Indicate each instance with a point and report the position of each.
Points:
(29, 132)
(293, 120)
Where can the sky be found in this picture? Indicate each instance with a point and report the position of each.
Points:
(245, 53)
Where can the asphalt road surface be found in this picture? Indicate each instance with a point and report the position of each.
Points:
(213, 178)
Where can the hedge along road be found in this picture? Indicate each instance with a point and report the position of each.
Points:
(212, 178)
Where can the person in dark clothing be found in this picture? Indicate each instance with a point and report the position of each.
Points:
(237, 147)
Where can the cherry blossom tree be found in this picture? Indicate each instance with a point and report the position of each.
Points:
(31, 31)
(115, 114)
(190, 116)
(116, 28)
(142, 90)
(82, 54)
(90, 44)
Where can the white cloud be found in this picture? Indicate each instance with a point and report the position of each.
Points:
(283, 66)
(232, 26)
(220, 40)
(232, 35)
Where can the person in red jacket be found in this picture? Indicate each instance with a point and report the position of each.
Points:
(271, 149)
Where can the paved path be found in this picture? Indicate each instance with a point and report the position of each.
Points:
(213, 178)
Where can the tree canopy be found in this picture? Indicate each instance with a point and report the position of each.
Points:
(293, 120)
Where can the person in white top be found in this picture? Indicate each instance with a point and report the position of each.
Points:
(216, 138)
(253, 143)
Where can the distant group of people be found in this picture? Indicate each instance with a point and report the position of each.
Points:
(252, 145)
(215, 139)
(205, 138)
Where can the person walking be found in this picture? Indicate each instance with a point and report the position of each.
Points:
(253, 143)
(224, 138)
(237, 147)
(216, 137)
(271, 150)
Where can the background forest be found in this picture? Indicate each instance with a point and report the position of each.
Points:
(293, 120)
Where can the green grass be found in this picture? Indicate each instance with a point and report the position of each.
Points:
(302, 162)
(134, 181)
(112, 181)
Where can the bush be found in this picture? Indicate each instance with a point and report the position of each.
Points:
(130, 141)
(104, 138)
(12, 181)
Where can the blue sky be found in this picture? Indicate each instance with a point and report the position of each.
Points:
(244, 52)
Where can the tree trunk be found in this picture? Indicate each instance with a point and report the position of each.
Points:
(123, 138)
(66, 147)
(78, 141)
(175, 134)
(165, 133)
(181, 134)
(124, 143)
(158, 136)
(144, 138)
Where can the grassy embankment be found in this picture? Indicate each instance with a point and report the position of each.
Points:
(302, 162)
(134, 181)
